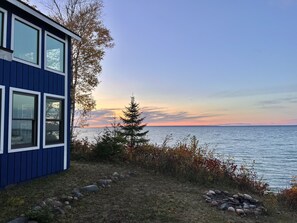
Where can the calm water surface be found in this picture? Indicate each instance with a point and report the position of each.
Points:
(273, 148)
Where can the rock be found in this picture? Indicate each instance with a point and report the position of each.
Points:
(104, 182)
(60, 210)
(214, 203)
(115, 174)
(224, 206)
(226, 193)
(42, 204)
(218, 191)
(252, 206)
(66, 202)
(75, 198)
(240, 211)
(77, 193)
(208, 200)
(57, 204)
(235, 196)
(245, 206)
(19, 220)
(210, 193)
(122, 177)
(70, 198)
(90, 188)
(231, 209)
(206, 197)
(248, 197)
(247, 211)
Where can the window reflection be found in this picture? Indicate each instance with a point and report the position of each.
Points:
(54, 125)
(55, 54)
(24, 120)
(26, 42)
(1, 28)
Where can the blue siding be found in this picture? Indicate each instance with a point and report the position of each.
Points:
(22, 166)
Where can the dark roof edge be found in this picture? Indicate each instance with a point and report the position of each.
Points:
(44, 18)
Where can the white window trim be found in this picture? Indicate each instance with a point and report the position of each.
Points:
(4, 26)
(12, 90)
(44, 120)
(2, 118)
(66, 124)
(14, 17)
(65, 53)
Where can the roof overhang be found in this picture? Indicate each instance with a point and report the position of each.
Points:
(44, 18)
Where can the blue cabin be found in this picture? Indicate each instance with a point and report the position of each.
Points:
(35, 71)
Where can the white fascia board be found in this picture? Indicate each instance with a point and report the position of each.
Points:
(44, 18)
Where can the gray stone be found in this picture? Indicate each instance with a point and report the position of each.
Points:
(206, 197)
(252, 206)
(247, 211)
(66, 202)
(214, 203)
(245, 206)
(57, 204)
(231, 209)
(77, 193)
(19, 220)
(239, 211)
(60, 210)
(75, 198)
(70, 198)
(248, 197)
(90, 188)
(224, 206)
(235, 196)
(218, 191)
(115, 174)
(210, 193)
(104, 182)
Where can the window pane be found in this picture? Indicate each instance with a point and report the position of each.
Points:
(1, 28)
(54, 128)
(0, 115)
(55, 54)
(53, 132)
(22, 132)
(53, 109)
(23, 106)
(26, 42)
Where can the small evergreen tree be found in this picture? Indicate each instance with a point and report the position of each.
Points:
(132, 127)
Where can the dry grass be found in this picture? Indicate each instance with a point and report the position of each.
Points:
(147, 197)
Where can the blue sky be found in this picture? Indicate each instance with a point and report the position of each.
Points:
(194, 62)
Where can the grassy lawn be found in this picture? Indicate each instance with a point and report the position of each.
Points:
(146, 197)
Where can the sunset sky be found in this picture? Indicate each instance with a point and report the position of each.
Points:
(201, 62)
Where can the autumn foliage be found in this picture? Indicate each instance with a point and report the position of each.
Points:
(196, 164)
(289, 195)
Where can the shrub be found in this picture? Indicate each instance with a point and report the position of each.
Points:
(80, 149)
(108, 146)
(195, 163)
(289, 196)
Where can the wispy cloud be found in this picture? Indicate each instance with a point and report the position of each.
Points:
(153, 116)
(282, 102)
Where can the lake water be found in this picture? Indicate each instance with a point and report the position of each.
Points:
(273, 148)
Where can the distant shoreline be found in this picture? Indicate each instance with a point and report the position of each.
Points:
(174, 126)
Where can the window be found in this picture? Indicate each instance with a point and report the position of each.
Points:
(54, 120)
(3, 14)
(1, 27)
(26, 42)
(1, 118)
(55, 54)
(24, 120)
